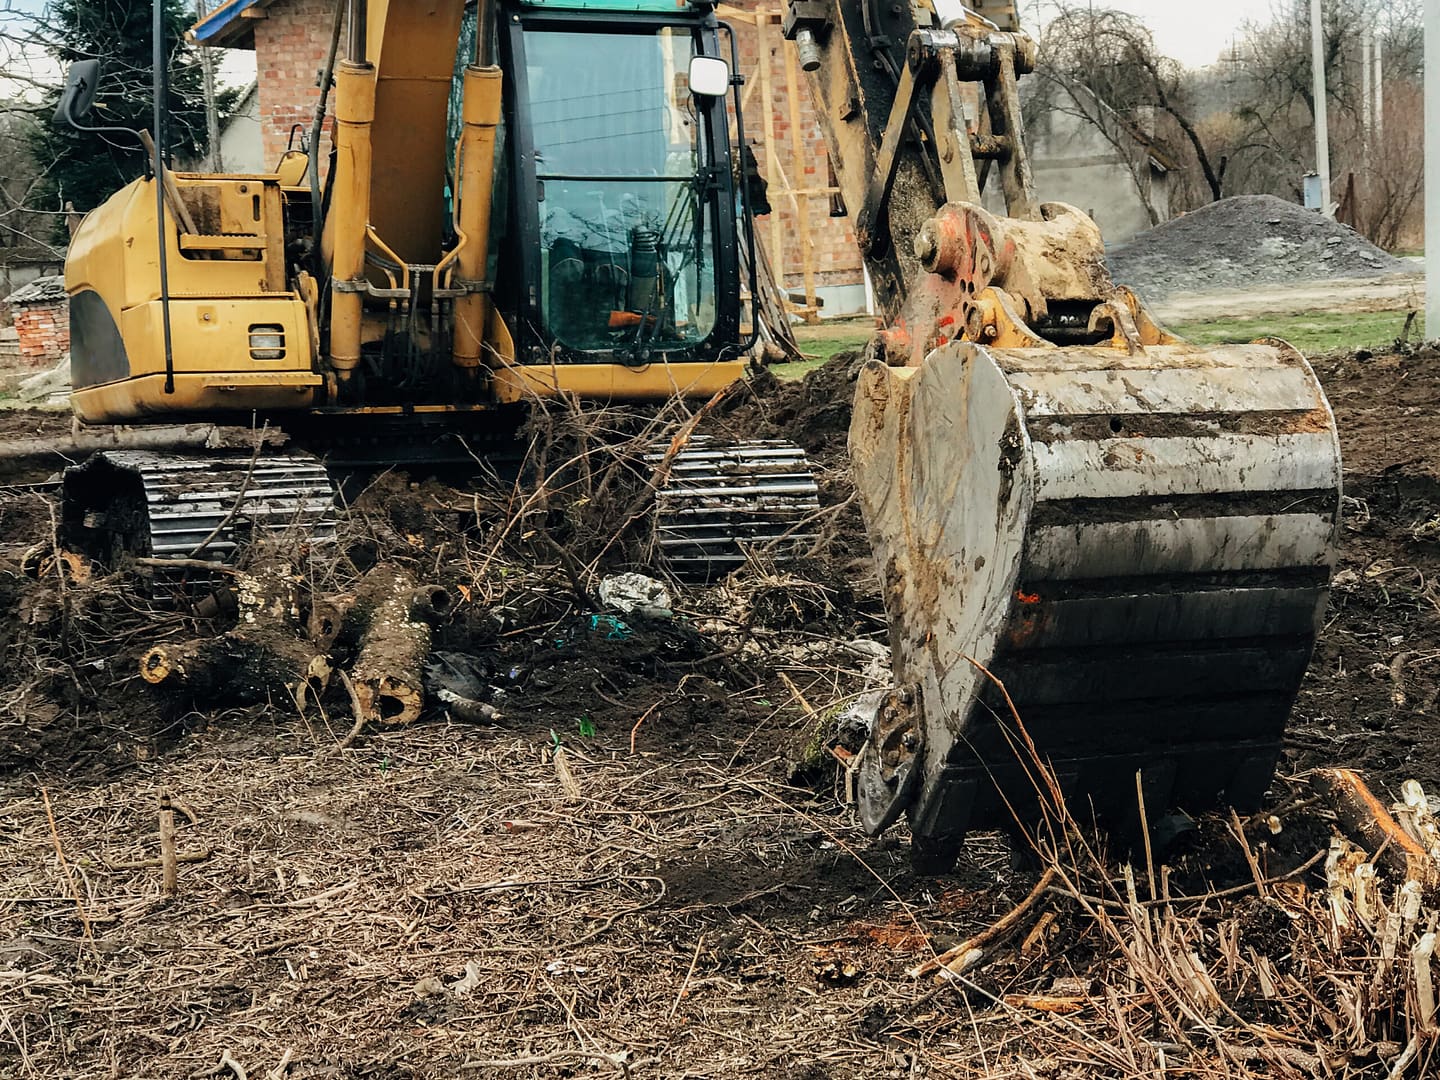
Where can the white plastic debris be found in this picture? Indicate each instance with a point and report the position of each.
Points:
(627, 593)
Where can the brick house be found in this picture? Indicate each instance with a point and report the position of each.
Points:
(290, 39)
(41, 311)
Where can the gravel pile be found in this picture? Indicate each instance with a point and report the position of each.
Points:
(1243, 241)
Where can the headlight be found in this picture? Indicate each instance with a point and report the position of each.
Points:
(267, 342)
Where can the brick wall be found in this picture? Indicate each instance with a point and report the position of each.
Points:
(44, 332)
(835, 260)
(290, 46)
(41, 313)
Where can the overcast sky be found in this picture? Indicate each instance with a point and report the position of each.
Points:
(1195, 33)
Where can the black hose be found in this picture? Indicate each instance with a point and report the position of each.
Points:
(317, 220)
(158, 81)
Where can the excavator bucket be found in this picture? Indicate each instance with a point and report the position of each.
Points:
(1108, 562)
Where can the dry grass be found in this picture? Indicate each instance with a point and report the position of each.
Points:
(436, 898)
(535, 899)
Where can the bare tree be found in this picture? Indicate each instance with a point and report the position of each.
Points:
(22, 223)
(1106, 70)
(1276, 108)
(45, 171)
(1391, 196)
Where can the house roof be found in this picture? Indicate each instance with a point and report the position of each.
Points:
(43, 290)
(232, 24)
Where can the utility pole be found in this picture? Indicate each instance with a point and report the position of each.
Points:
(212, 115)
(1379, 89)
(1432, 169)
(1322, 108)
(1367, 91)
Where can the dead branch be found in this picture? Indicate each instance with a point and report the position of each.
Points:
(1366, 819)
(964, 956)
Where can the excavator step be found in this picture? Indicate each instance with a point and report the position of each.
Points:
(1103, 562)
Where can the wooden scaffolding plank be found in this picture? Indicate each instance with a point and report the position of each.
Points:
(772, 174)
(794, 88)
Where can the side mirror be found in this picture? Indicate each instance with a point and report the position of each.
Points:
(709, 76)
(81, 82)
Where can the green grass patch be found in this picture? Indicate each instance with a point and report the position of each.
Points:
(821, 342)
(1310, 332)
(799, 368)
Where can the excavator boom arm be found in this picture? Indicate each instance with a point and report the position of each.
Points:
(1105, 552)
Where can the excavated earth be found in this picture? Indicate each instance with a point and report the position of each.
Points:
(645, 865)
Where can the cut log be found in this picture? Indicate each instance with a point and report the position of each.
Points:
(246, 668)
(323, 625)
(1366, 821)
(389, 670)
(44, 560)
(264, 658)
(358, 609)
(173, 437)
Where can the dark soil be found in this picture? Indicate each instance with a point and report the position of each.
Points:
(813, 412)
(29, 424)
(1370, 699)
(1242, 241)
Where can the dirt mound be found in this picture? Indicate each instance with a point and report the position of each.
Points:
(813, 412)
(1242, 241)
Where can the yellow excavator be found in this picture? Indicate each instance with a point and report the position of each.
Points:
(551, 211)
(1102, 549)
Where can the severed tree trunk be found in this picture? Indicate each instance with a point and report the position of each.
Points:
(1365, 819)
(397, 617)
(264, 658)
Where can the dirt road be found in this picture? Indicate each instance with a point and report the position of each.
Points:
(1400, 292)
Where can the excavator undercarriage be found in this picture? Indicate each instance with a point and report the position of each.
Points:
(1105, 552)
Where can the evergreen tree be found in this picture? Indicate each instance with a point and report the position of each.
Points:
(83, 168)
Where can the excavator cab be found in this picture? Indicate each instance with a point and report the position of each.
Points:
(625, 222)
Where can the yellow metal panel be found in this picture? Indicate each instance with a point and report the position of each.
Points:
(211, 336)
(412, 44)
(114, 251)
(98, 256)
(606, 382)
(134, 399)
(222, 243)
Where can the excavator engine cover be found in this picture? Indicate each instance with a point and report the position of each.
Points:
(1134, 546)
